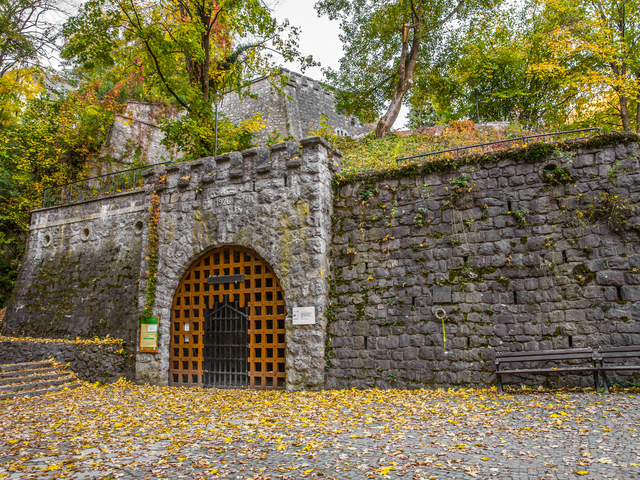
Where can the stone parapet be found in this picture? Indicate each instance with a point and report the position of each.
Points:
(80, 270)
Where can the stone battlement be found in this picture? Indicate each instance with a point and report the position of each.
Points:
(254, 164)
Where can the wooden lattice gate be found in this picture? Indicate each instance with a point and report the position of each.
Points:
(228, 323)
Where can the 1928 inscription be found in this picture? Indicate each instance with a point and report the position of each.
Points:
(223, 201)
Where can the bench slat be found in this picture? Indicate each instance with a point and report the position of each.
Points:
(548, 370)
(620, 367)
(620, 349)
(531, 358)
(620, 355)
(544, 352)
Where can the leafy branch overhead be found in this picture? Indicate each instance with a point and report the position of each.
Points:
(388, 47)
(185, 50)
(27, 33)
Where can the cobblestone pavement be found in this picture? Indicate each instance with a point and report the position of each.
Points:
(142, 432)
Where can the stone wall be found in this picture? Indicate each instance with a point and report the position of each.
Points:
(516, 261)
(90, 361)
(135, 138)
(273, 200)
(85, 270)
(298, 115)
(79, 274)
(518, 248)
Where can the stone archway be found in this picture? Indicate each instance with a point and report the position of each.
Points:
(228, 323)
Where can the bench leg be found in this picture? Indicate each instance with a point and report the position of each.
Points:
(595, 381)
(605, 382)
(604, 378)
(499, 383)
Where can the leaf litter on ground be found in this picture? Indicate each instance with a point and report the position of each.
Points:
(121, 428)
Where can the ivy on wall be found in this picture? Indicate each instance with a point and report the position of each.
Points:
(152, 254)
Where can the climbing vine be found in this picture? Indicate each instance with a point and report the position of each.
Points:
(613, 211)
(152, 254)
(556, 175)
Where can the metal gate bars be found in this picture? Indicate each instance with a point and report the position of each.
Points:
(226, 344)
(227, 293)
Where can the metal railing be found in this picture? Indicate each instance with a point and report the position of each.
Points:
(94, 187)
(504, 144)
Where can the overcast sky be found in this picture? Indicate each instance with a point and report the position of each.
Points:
(318, 37)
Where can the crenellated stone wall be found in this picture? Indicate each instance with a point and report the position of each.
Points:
(273, 200)
(525, 249)
(135, 136)
(296, 114)
(518, 260)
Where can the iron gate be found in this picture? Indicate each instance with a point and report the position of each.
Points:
(253, 307)
(226, 345)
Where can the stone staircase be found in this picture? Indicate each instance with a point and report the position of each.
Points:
(35, 378)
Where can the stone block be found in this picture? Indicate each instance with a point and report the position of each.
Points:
(621, 152)
(583, 160)
(610, 277)
(441, 294)
(605, 156)
(630, 293)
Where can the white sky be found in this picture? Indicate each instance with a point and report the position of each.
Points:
(318, 37)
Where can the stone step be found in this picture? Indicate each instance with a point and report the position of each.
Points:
(36, 385)
(33, 371)
(35, 393)
(13, 367)
(16, 380)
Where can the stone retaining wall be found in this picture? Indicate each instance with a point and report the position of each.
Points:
(92, 362)
(79, 275)
(518, 248)
(516, 261)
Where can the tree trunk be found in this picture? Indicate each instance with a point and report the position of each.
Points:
(637, 75)
(624, 113)
(206, 43)
(388, 119)
(406, 68)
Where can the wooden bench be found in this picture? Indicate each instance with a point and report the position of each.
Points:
(584, 354)
(616, 353)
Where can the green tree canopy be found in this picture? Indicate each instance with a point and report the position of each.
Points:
(496, 57)
(184, 49)
(603, 37)
(388, 45)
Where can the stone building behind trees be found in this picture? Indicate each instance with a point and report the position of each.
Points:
(135, 136)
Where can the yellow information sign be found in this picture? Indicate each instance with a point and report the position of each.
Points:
(149, 335)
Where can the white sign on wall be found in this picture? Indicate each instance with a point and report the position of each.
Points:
(304, 315)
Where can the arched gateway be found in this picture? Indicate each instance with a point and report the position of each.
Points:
(228, 323)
